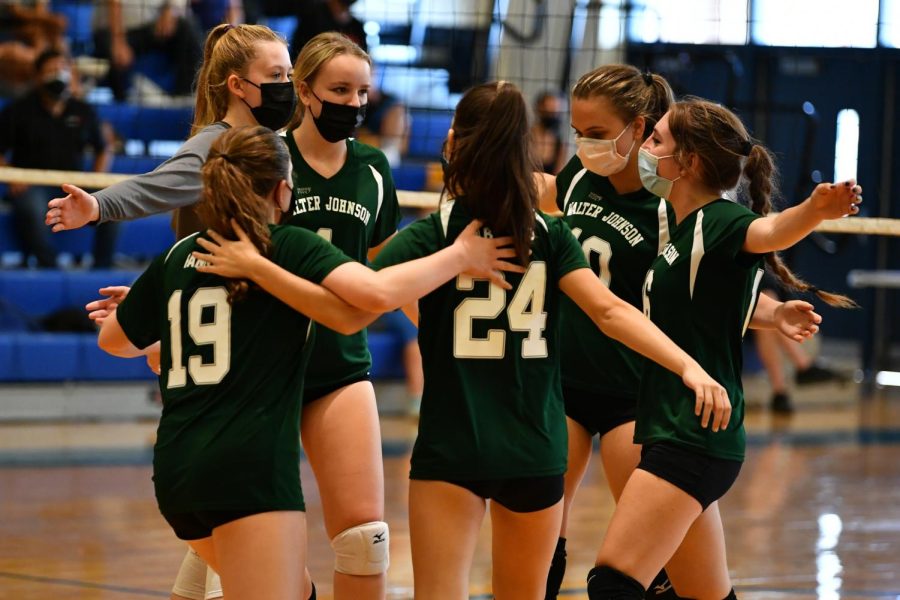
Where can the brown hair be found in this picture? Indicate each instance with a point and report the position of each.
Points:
(632, 93)
(491, 168)
(316, 53)
(230, 192)
(228, 49)
(720, 142)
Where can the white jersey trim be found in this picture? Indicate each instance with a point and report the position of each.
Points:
(379, 181)
(540, 219)
(178, 243)
(662, 216)
(446, 209)
(569, 191)
(753, 300)
(697, 251)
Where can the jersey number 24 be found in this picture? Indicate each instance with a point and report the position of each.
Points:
(524, 313)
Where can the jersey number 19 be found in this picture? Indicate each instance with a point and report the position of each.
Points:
(216, 333)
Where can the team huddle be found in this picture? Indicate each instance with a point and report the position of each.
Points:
(622, 317)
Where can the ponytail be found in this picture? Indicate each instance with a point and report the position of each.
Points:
(243, 168)
(491, 168)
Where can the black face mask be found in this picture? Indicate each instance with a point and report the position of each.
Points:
(55, 88)
(336, 122)
(278, 103)
(550, 121)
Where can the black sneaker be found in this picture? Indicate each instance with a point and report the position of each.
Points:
(781, 403)
(817, 374)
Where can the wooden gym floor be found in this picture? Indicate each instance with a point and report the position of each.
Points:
(814, 514)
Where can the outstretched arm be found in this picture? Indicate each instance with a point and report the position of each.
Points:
(794, 319)
(783, 230)
(623, 322)
(112, 339)
(379, 292)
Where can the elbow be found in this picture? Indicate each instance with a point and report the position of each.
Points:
(379, 300)
(106, 343)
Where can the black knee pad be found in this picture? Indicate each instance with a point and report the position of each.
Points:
(731, 595)
(557, 570)
(312, 595)
(606, 583)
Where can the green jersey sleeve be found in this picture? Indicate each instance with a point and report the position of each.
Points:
(726, 235)
(140, 313)
(415, 241)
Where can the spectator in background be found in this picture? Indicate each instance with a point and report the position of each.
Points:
(26, 30)
(317, 16)
(548, 145)
(49, 128)
(386, 125)
(124, 31)
(770, 346)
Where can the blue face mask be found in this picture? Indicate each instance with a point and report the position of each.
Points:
(652, 181)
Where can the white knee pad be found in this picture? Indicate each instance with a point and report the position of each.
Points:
(213, 585)
(362, 550)
(196, 580)
(191, 579)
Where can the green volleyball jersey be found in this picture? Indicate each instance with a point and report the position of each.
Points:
(620, 235)
(231, 381)
(701, 291)
(355, 209)
(492, 403)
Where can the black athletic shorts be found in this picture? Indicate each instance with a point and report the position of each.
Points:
(199, 524)
(521, 495)
(598, 413)
(705, 478)
(314, 393)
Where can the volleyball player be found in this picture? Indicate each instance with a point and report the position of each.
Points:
(244, 80)
(344, 191)
(701, 290)
(621, 227)
(226, 460)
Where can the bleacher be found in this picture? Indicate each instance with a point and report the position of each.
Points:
(149, 134)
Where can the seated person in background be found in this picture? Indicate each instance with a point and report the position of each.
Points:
(49, 128)
(124, 31)
(386, 125)
(26, 30)
(317, 16)
(770, 347)
(548, 144)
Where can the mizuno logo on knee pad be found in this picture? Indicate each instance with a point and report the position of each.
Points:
(362, 550)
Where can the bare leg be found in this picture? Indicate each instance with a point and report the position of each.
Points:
(703, 545)
(649, 523)
(257, 556)
(523, 545)
(438, 512)
(620, 456)
(342, 438)
(580, 442)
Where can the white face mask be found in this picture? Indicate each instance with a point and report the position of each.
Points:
(601, 156)
(653, 182)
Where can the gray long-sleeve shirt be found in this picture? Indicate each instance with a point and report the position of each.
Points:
(175, 184)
